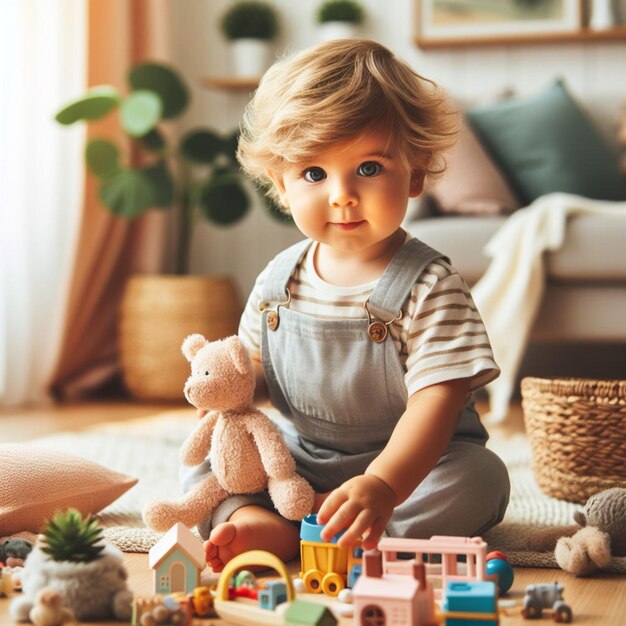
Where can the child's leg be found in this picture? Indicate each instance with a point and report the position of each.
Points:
(251, 527)
(465, 494)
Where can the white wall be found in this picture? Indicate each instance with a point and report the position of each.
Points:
(593, 71)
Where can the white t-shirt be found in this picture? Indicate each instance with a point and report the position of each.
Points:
(440, 337)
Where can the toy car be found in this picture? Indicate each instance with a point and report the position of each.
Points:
(543, 596)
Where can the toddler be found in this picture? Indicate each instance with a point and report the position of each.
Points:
(366, 339)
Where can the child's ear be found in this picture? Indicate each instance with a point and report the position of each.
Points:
(279, 183)
(417, 183)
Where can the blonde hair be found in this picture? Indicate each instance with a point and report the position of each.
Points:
(334, 92)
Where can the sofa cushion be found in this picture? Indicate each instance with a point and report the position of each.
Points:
(471, 184)
(593, 251)
(547, 143)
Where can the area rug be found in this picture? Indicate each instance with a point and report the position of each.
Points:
(148, 449)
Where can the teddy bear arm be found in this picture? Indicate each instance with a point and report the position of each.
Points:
(275, 456)
(197, 445)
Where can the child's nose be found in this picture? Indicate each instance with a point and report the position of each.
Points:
(342, 194)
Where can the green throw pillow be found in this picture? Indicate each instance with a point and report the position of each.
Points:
(547, 143)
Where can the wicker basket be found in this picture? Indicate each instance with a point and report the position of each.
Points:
(157, 313)
(577, 430)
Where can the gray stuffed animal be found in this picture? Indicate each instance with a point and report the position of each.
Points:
(601, 534)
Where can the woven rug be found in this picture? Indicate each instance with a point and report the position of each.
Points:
(148, 449)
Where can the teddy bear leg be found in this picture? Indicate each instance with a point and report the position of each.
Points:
(191, 509)
(292, 497)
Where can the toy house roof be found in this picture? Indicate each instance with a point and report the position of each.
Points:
(177, 537)
(390, 586)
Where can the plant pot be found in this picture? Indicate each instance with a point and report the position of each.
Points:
(94, 591)
(337, 30)
(157, 313)
(250, 57)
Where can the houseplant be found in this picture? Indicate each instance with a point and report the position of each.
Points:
(72, 558)
(250, 27)
(339, 19)
(198, 178)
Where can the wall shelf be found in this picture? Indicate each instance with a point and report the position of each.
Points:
(232, 83)
(584, 35)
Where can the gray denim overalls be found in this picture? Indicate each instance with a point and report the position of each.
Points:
(343, 393)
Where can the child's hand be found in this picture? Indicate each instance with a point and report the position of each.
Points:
(363, 503)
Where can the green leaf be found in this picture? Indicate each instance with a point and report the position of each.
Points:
(102, 158)
(162, 184)
(200, 146)
(128, 194)
(223, 200)
(165, 82)
(92, 106)
(229, 146)
(153, 141)
(140, 112)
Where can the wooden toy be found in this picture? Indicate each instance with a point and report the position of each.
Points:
(500, 570)
(393, 599)
(445, 558)
(470, 603)
(272, 594)
(301, 613)
(243, 611)
(326, 568)
(177, 560)
(544, 596)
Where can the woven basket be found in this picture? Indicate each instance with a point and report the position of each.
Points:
(157, 313)
(577, 430)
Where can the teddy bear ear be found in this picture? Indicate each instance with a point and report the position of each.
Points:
(238, 353)
(580, 518)
(192, 345)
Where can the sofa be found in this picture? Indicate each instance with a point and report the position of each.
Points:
(585, 295)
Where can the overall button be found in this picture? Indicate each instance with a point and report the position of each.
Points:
(377, 331)
(272, 320)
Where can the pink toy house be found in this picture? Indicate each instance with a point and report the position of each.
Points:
(392, 599)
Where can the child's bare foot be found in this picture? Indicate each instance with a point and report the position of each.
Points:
(251, 528)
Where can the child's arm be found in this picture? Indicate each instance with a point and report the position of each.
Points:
(418, 441)
(261, 395)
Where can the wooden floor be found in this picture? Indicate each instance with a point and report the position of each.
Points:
(595, 601)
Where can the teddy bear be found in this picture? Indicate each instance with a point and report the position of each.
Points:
(599, 536)
(246, 450)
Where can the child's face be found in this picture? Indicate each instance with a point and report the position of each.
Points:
(351, 196)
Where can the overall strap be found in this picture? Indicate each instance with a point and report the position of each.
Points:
(395, 285)
(275, 287)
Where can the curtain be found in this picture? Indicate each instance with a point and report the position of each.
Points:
(42, 64)
(120, 33)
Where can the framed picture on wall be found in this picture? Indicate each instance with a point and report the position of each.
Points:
(460, 22)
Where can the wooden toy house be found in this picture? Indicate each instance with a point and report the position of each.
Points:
(177, 560)
(392, 599)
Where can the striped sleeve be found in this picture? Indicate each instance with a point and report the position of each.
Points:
(446, 337)
(250, 323)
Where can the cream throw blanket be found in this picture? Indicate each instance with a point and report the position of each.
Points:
(509, 293)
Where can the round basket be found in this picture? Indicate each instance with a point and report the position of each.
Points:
(157, 313)
(577, 430)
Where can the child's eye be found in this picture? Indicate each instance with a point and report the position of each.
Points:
(314, 174)
(369, 168)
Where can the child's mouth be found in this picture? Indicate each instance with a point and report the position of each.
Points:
(348, 225)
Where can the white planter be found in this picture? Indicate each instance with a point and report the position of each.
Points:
(337, 30)
(602, 15)
(94, 591)
(250, 57)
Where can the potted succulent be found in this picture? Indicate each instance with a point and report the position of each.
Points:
(198, 178)
(250, 26)
(339, 19)
(72, 559)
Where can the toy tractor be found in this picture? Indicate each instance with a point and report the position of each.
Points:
(545, 596)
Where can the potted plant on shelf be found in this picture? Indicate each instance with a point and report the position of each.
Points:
(339, 19)
(250, 27)
(198, 178)
(72, 559)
